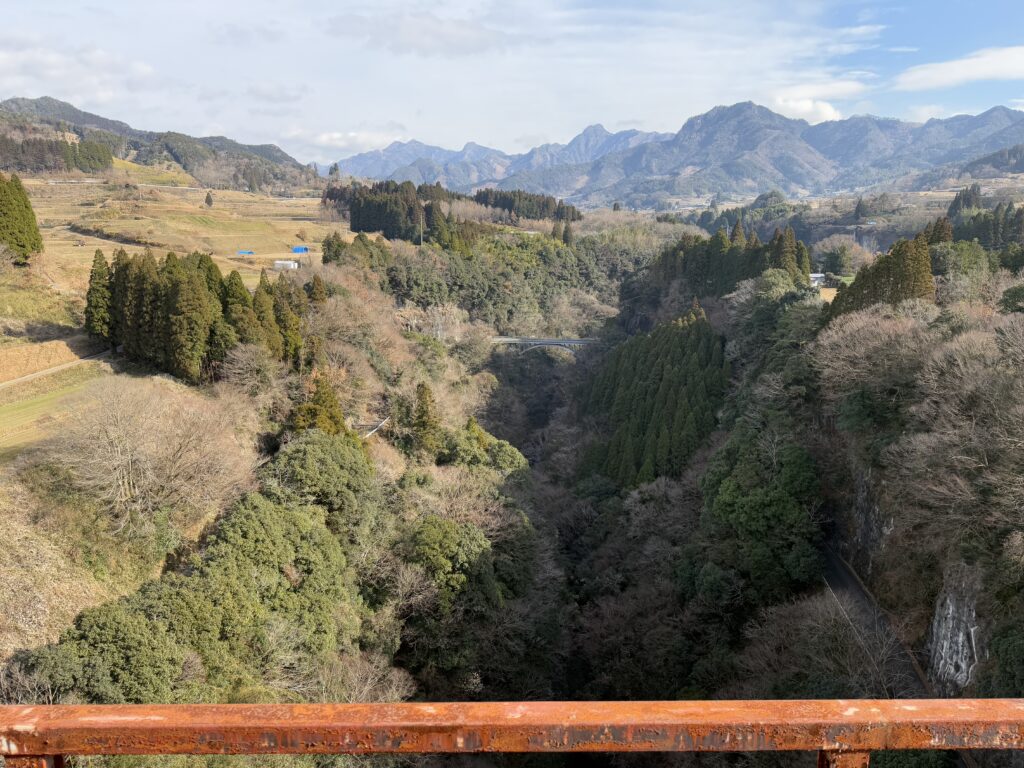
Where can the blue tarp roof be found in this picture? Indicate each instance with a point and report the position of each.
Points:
(247, 253)
(300, 249)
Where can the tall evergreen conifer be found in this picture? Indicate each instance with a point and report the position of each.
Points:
(238, 310)
(97, 299)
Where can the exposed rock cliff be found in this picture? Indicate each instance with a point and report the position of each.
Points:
(956, 642)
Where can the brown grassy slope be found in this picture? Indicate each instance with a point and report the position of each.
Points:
(41, 591)
(17, 360)
(169, 219)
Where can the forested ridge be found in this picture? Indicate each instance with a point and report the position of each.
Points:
(33, 155)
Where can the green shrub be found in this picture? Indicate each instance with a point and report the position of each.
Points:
(450, 553)
(331, 470)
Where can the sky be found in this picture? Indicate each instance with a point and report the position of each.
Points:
(325, 79)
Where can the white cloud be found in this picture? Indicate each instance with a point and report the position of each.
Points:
(245, 35)
(811, 110)
(823, 89)
(84, 75)
(425, 33)
(812, 100)
(986, 64)
(902, 49)
(277, 93)
(328, 146)
(922, 113)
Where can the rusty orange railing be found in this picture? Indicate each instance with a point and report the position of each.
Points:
(843, 732)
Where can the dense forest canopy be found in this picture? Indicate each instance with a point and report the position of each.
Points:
(184, 317)
(527, 205)
(53, 155)
(404, 211)
(658, 393)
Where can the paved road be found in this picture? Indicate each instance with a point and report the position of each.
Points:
(54, 369)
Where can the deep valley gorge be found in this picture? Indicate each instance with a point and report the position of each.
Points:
(615, 447)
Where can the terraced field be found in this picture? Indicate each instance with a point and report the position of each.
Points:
(31, 411)
(132, 214)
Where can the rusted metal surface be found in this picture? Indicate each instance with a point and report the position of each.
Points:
(844, 759)
(36, 761)
(849, 726)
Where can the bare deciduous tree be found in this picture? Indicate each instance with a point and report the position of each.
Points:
(824, 645)
(143, 446)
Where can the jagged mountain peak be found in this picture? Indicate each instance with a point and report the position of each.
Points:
(741, 148)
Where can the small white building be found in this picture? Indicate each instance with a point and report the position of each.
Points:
(817, 279)
(282, 264)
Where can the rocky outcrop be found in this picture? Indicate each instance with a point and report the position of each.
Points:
(866, 524)
(956, 641)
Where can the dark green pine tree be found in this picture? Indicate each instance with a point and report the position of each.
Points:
(203, 264)
(567, 235)
(663, 451)
(739, 237)
(18, 228)
(322, 411)
(558, 230)
(209, 200)
(627, 462)
(437, 225)
(238, 310)
(265, 283)
(803, 263)
(427, 433)
(647, 472)
(120, 288)
(189, 321)
(317, 290)
(860, 211)
(289, 322)
(788, 254)
(97, 299)
(222, 339)
(263, 307)
(144, 332)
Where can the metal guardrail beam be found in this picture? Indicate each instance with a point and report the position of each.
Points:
(844, 731)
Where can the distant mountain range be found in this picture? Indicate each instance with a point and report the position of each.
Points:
(739, 150)
(475, 164)
(743, 149)
(213, 161)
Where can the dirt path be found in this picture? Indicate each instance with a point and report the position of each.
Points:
(54, 369)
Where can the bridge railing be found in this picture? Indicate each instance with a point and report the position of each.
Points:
(844, 732)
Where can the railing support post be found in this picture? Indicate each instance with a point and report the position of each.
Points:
(833, 759)
(35, 761)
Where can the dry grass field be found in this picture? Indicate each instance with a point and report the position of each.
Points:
(41, 588)
(135, 213)
(17, 360)
(32, 410)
